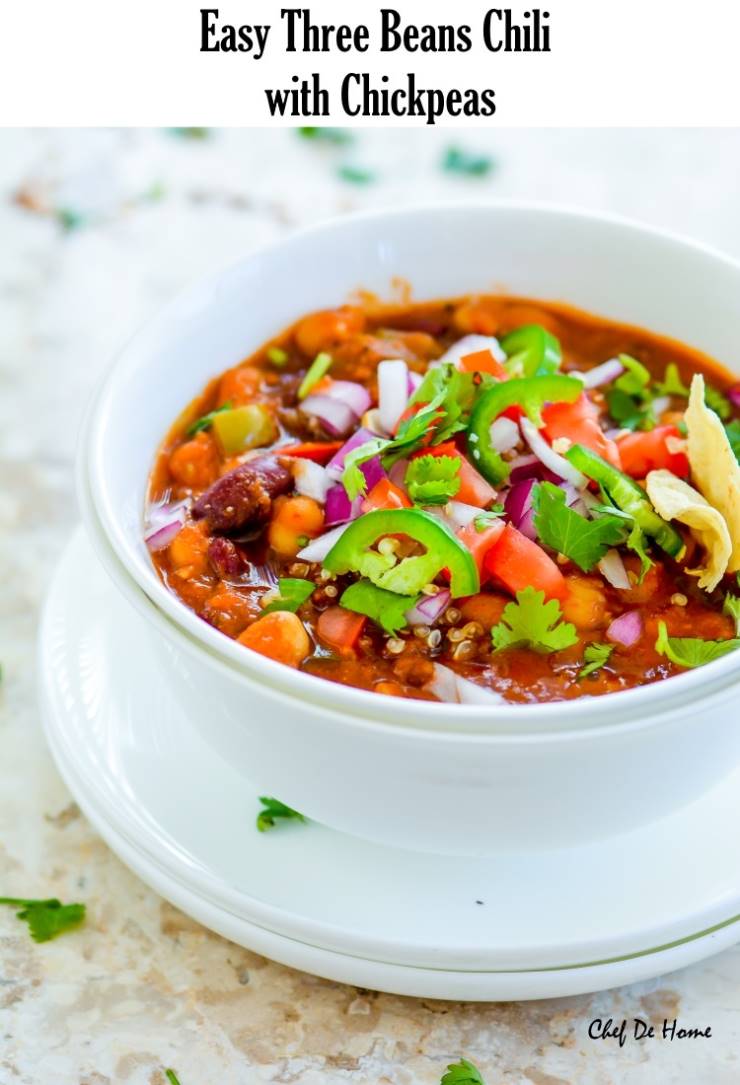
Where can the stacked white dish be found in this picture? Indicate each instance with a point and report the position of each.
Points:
(568, 814)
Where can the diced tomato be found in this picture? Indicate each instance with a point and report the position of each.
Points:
(579, 423)
(483, 361)
(449, 448)
(514, 412)
(644, 452)
(480, 542)
(385, 495)
(319, 451)
(518, 563)
(340, 629)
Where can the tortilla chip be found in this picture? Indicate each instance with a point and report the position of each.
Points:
(674, 499)
(714, 469)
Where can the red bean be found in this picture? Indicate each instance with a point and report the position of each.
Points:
(243, 497)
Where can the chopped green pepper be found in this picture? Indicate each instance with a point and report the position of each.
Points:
(529, 393)
(243, 428)
(627, 496)
(352, 553)
(532, 352)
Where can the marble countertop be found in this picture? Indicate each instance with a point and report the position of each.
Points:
(97, 229)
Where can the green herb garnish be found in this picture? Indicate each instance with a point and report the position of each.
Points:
(467, 163)
(356, 175)
(533, 623)
(563, 529)
(732, 429)
(318, 368)
(637, 378)
(47, 918)
(273, 809)
(462, 1073)
(627, 412)
(717, 402)
(172, 1077)
(293, 593)
(488, 517)
(433, 480)
(672, 385)
(385, 608)
(594, 657)
(205, 420)
(731, 607)
(692, 651)
(277, 355)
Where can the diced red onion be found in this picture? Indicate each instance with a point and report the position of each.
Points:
(397, 474)
(626, 629)
(572, 495)
(530, 467)
(355, 395)
(373, 472)
(518, 500)
(429, 609)
(335, 466)
(504, 434)
(469, 344)
(339, 509)
(165, 522)
(612, 569)
(393, 377)
(413, 382)
(558, 464)
(601, 374)
(454, 689)
(318, 548)
(661, 405)
(733, 394)
(461, 514)
(162, 536)
(311, 479)
(335, 416)
(371, 421)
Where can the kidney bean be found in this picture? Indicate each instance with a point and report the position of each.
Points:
(243, 497)
(224, 557)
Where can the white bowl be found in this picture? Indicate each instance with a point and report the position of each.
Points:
(434, 777)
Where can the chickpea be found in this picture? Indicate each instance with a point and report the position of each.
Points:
(585, 603)
(323, 330)
(195, 463)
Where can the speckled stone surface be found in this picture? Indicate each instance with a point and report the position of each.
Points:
(97, 229)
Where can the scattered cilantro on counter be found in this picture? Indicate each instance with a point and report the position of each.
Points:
(533, 623)
(172, 1077)
(462, 1073)
(563, 529)
(337, 136)
(386, 608)
(356, 175)
(189, 133)
(273, 809)
(433, 480)
(692, 651)
(205, 420)
(47, 918)
(293, 593)
(594, 657)
(467, 163)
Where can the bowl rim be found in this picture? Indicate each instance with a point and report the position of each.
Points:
(555, 716)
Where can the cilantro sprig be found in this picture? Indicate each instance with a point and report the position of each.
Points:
(731, 607)
(205, 420)
(563, 529)
(433, 480)
(47, 918)
(274, 809)
(385, 608)
(462, 1073)
(595, 656)
(533, 623)
(692, 651)
(489, 516)
(293, 593)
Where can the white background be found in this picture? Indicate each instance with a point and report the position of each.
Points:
(613, 62)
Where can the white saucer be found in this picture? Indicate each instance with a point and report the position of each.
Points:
(550, 923)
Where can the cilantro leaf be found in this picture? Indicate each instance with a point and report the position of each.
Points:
(386, 608)
(433, 480)
(672, 385)
(627, 413)
(338, 136)
(692, 651)
(732, 429)
(172, 1077)
(293, 593)
(353, 479)
(488, 517)
(637, 541)
(594, 657)
(47, 918)
(272, 809)
(205, 420)
(462, 1073)
(731, 607)
(636, 380)
(563, 529)
(717, 402)
(468, 163)
(356, 175)
(533, 623)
